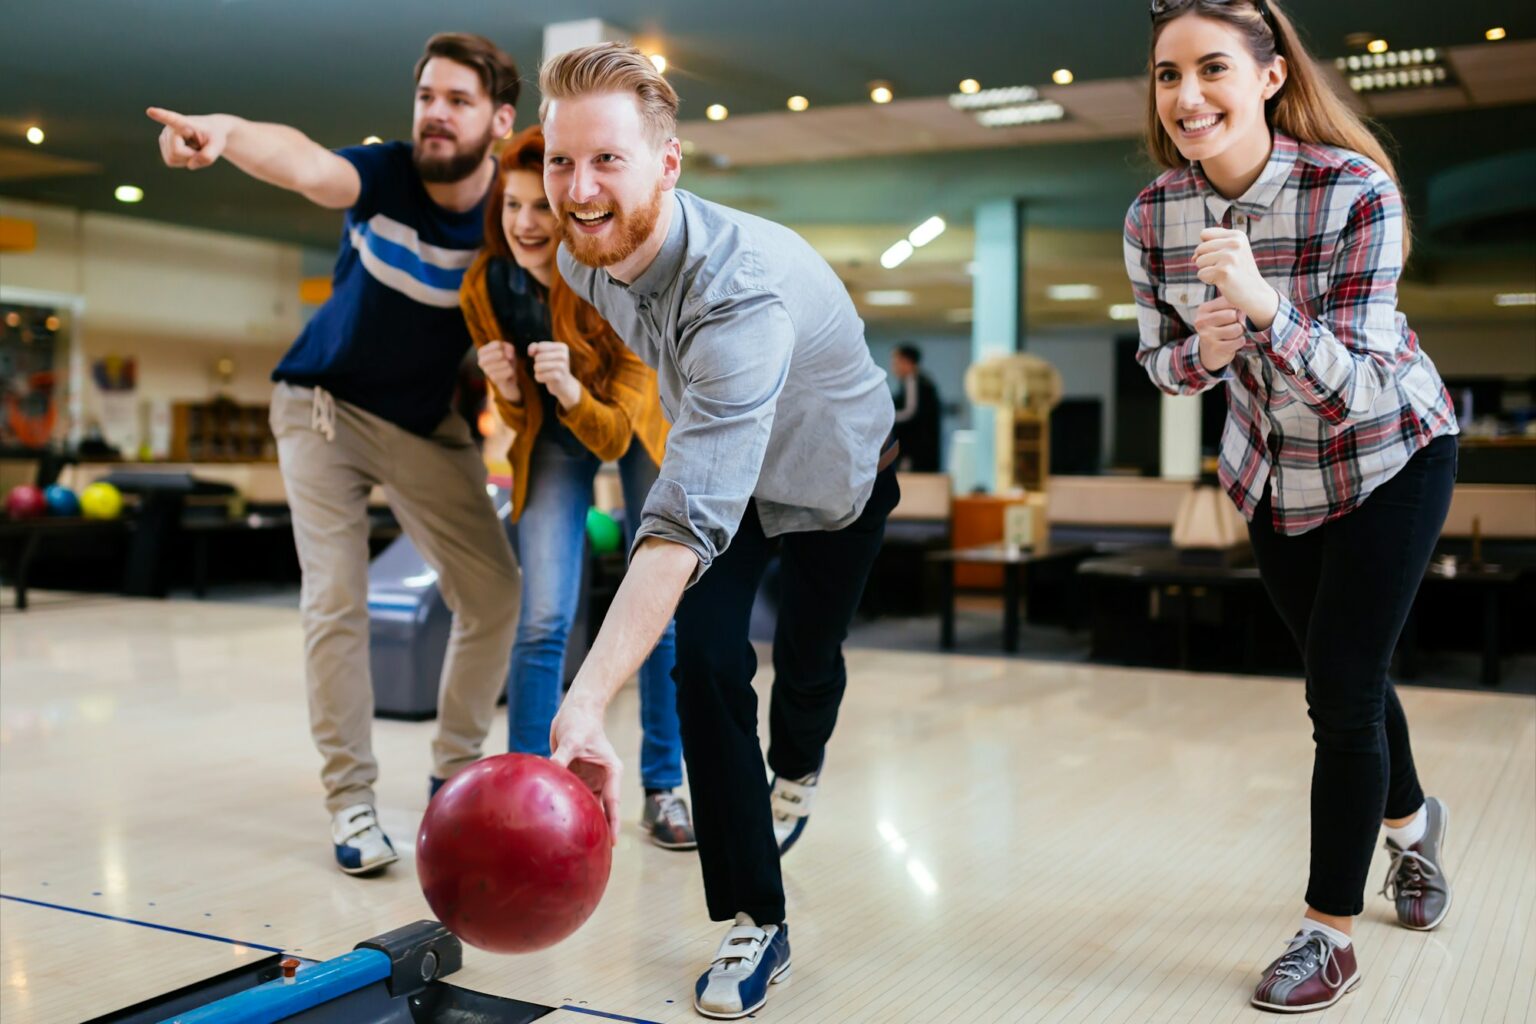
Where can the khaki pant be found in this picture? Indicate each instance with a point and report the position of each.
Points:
(332, 454)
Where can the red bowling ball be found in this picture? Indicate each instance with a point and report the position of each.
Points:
(25, 502)
(513, 854)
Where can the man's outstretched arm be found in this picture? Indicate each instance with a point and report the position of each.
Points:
(274, 153)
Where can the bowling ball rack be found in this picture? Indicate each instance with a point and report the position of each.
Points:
(394, 978)
(20, 539)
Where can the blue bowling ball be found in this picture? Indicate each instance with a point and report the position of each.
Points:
(61, 501)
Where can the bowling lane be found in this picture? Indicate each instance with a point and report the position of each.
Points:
(979, 853)
(57, 966)
(176, 736)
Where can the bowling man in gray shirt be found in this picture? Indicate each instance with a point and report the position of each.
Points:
(780, 422)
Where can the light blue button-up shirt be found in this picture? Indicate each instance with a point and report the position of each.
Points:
(763, 371)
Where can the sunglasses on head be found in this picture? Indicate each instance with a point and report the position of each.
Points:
(1160, 8)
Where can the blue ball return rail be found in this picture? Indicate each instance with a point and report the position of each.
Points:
(395, 978)
(311, 984)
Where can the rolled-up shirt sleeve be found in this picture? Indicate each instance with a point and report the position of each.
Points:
(735, 359)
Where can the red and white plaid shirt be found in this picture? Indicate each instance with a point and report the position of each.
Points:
(1329, 402)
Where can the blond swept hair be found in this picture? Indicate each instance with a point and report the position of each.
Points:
(612, 67)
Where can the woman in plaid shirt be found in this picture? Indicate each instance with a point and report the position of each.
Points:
(1266, 259)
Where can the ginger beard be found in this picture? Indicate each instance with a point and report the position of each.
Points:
(619, 237)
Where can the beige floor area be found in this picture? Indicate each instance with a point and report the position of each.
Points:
(994, 840)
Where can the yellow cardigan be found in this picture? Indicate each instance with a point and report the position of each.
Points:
(633, 409)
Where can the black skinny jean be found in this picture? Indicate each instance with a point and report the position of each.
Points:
(1345, 589)
(822, 576)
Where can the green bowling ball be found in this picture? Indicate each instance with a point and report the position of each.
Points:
(603, 531)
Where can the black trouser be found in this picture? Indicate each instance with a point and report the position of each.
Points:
(821, 576)
(1344, 589)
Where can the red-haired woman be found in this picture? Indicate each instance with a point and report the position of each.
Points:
(575, 398)
(1266, 259)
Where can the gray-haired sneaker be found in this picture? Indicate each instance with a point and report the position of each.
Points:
(665, 819)
(1416, 879)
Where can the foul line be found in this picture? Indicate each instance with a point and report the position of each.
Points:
(606, 1016)
(142, 924)
(255, 945)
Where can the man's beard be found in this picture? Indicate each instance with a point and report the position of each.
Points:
(629, 231)
(445, 170)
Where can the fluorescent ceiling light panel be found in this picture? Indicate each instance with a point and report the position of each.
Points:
(993, 97)
(1071, 292)
(927, 231)
(1024, 113)
(896, 255)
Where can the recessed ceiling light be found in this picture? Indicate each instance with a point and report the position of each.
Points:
(896, 255)
(128, 193)
(891, 297)
(970, 86)
(798, 103)
(1062, 76)
(52, 323)
(1123, 311)
(881, 92)
(13, 319)
(35, 135)
(659, 63)
(1071, 292)
(372, 140)
(1493, 35)
(1515, 299)
(716, 112)
(1377, 46)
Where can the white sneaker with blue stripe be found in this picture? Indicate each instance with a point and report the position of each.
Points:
(791, 802)
(748, 961)
(361, 845)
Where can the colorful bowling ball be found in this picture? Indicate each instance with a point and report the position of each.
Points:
(603, 531)
(513, 853)
(25, 502)
(61, 500)
(101, 501)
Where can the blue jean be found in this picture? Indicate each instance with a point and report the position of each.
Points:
(551, 542)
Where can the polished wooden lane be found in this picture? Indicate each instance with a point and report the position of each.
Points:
(47, 954)
(995, 840)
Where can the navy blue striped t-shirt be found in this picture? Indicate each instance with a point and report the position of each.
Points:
(391, 337)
